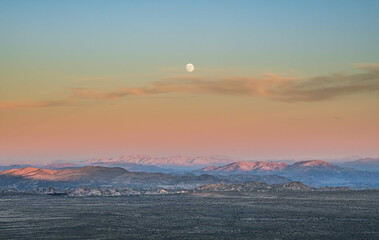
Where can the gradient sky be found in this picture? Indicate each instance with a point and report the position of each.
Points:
(272, 79)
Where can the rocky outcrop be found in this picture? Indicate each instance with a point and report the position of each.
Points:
(253, 187)
(240, 187)
(292, 186)
(100, 192)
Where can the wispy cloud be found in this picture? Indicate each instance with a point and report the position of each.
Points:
(8, 105)
(271, 86)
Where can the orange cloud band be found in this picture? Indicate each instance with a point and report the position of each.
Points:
(272, 86)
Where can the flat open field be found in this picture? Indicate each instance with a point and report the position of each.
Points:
(284, 215)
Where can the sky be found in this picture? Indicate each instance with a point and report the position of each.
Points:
(272, 79)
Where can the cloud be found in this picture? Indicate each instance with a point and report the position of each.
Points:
(271, 86)
(368, 66)
(9, 105)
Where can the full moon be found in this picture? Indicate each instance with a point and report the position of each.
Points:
(190, 67)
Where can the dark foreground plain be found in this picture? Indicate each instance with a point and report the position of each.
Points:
(274, 215)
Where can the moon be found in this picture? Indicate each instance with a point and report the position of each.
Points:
(190, 67)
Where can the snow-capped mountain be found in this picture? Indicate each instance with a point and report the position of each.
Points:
(170, 161)
(312, 172)
(258, 166)
(261, 167)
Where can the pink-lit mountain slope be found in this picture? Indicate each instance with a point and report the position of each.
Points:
(88, 173)
(170, 161)
(248, 166)
(262, 167)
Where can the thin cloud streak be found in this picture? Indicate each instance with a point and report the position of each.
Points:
(271, 86)
(9, 105)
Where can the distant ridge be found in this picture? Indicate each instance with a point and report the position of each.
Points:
(116, 172)
(367, 164)
(94, 173)
(260, 166)
(170, 161)
(96, 176)
(316, 173)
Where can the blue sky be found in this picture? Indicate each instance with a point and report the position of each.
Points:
(314, 37)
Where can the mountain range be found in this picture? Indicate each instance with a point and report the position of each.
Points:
(264, 167)
(239, 167)
(142, 171)
(138, 162)
(96, 176)
(313, 172)
(141, 162)
(366, 164)
(172, 162)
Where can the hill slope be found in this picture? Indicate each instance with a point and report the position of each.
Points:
(312, 172)
(239, 167)
(170, 161)
(95, 176)
(366, 164)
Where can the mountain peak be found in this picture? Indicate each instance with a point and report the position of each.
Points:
(313, 163)
(295, 186)
(22, 171)
(93, 172)
(168, 161)
(368, 160)
(258, 166)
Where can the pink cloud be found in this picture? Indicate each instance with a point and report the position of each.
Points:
(271, 86)
(8, 105)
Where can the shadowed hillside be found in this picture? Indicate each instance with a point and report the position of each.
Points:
(316, 173)
(32, 178)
